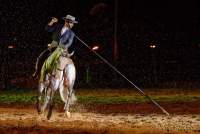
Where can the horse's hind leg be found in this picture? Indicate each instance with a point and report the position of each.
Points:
(51, 104)
(41, 88)
(46, 100)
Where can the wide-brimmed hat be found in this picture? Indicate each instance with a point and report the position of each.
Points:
(70, 18)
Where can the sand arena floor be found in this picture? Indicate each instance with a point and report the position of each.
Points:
(27, 121)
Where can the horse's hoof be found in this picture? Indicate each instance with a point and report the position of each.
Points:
(67, 114)
(39, 112)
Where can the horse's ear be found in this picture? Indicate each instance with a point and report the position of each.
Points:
(69, 55)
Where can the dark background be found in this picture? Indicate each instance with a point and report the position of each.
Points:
(173, 27)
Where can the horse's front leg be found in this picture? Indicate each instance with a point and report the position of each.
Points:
(70, 71)
(64, 93)
(69, 100)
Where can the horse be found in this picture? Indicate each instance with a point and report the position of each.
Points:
(47, 89)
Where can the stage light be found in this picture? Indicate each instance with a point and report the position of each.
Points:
(152, 46)
(95, 47)
(11, 46)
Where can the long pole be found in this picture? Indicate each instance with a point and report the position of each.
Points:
(115, 45)
(114, 68)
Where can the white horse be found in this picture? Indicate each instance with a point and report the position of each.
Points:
(47, 90)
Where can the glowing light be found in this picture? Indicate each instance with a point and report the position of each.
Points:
(11, 46)
(49, 45)
(95, 47)
(152, 46)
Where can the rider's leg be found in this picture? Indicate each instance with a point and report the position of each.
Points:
(50, 63)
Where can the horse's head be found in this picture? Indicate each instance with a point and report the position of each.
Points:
(67, 54)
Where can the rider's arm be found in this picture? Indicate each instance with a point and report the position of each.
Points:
(51, 26)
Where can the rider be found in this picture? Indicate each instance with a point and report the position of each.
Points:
(62, 39)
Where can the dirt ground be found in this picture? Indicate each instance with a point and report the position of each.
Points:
(103, 119)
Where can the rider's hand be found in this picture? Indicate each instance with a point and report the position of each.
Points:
(54, 20)
(49, 46)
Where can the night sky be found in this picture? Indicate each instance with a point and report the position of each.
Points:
(173, 27)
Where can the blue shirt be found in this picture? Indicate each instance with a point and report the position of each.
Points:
(66, 39)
